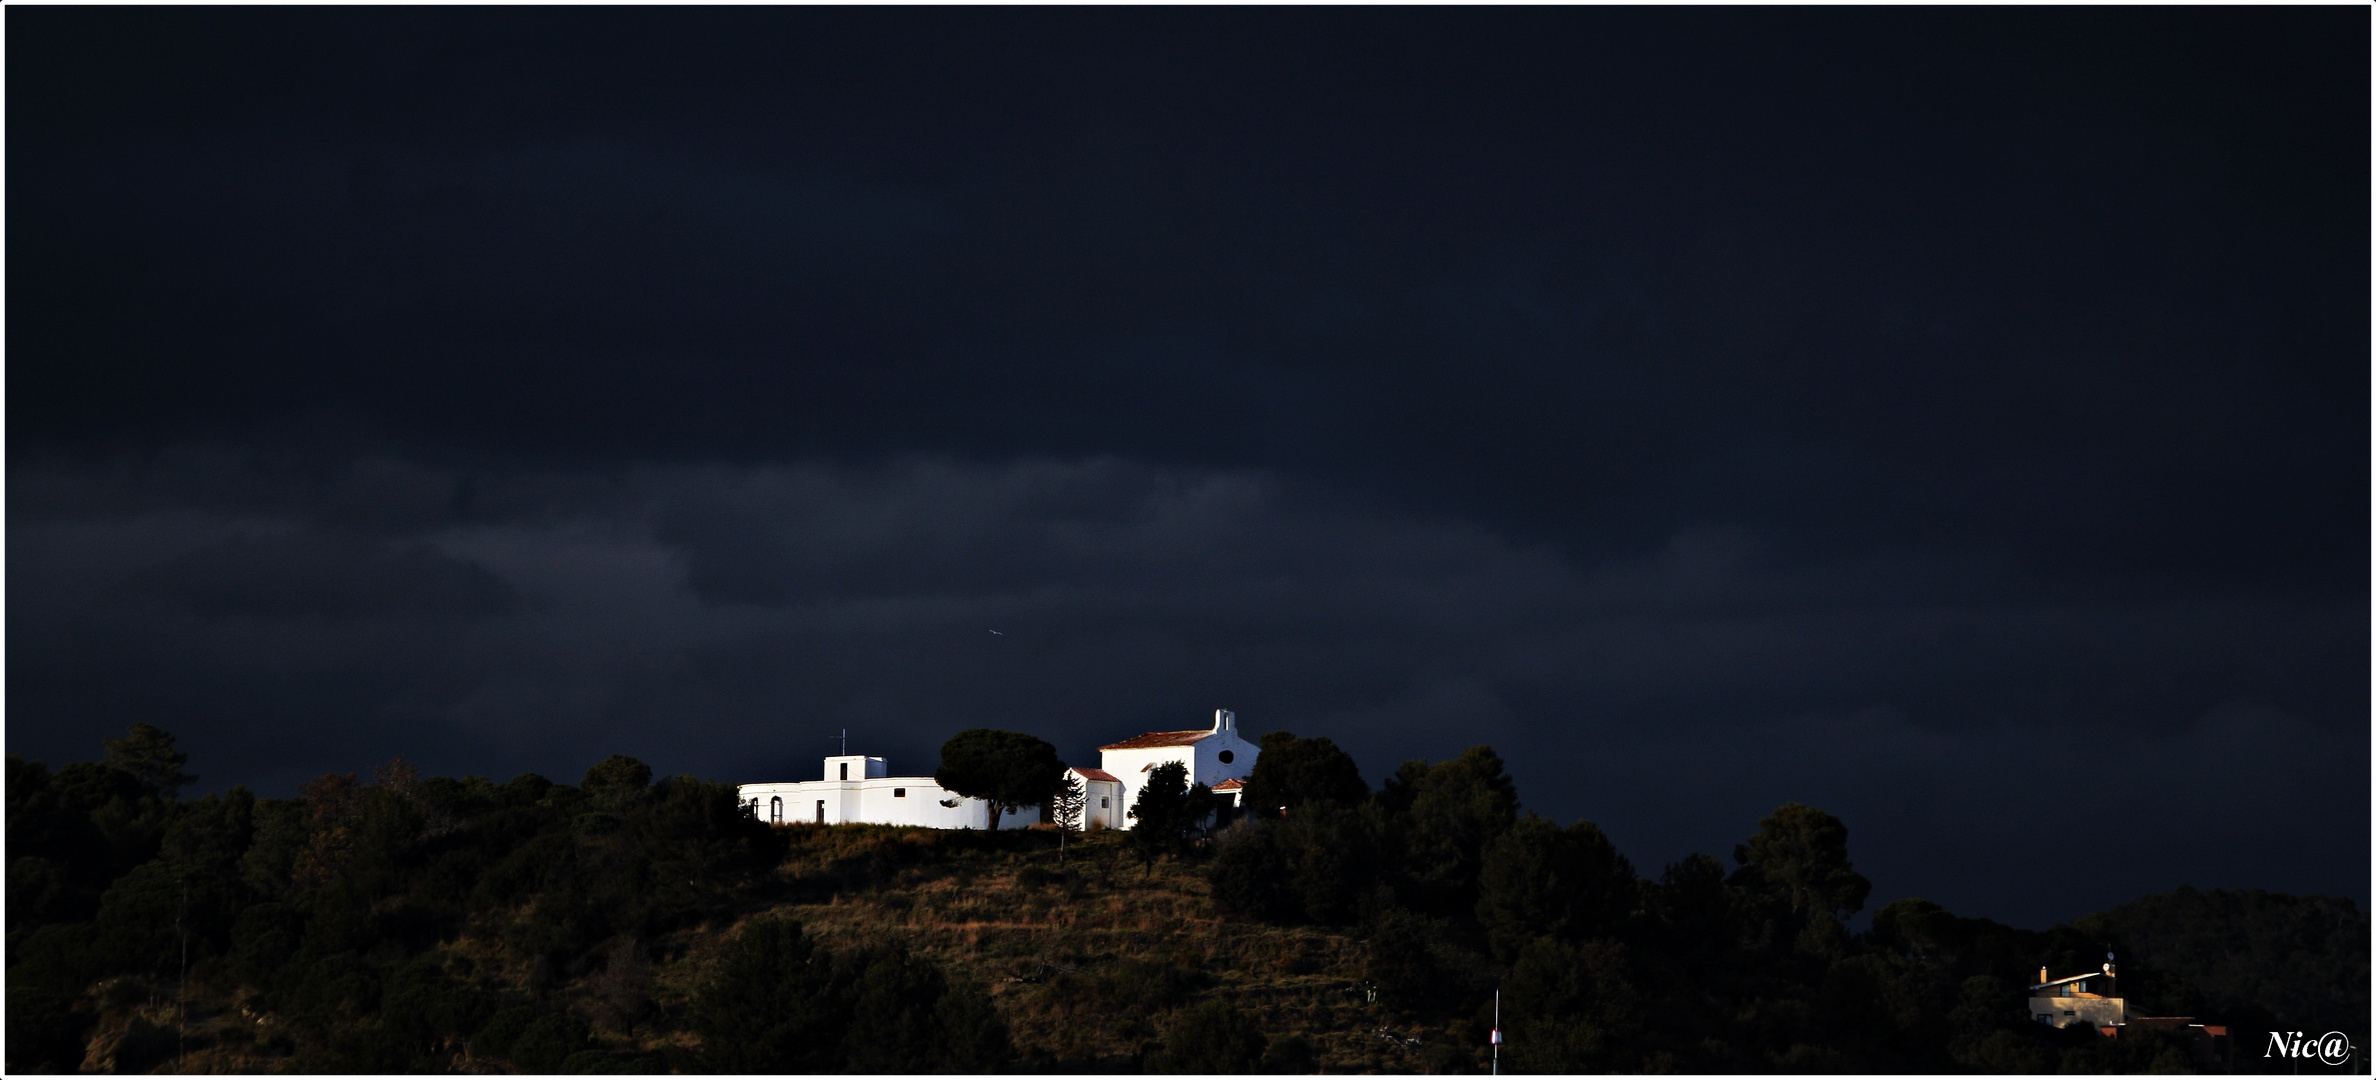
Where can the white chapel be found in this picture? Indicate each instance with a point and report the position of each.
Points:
(1216, 757)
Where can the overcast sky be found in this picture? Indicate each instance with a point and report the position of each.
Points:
(1956, 419)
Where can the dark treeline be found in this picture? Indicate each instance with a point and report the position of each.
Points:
(333, 915)
(401, 923)
(1702, 968)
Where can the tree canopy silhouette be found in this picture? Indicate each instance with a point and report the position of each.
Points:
(1800, 854)
(1166, 811)
(1004, 768)
(1446, 814)
(146, 752)
(1292, 771)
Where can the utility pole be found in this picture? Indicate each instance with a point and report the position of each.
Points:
(1497, 1031)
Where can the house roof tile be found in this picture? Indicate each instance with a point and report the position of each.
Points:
(1158, 738)
(1096, 774)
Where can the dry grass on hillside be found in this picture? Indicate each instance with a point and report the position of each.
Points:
(1089, 959)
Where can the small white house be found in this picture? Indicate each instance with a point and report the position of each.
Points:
(859, 789)
(1214, 757)
(1102, 806)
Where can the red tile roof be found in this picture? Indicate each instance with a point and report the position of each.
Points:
(1096, 774)
(1231, 784)
(1158, 738)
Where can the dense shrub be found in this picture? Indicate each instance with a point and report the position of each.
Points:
(776, 1002)
(495, 1038)
(1207, 1038)
(547, 1042)
(1541, 880)
(1318, 864)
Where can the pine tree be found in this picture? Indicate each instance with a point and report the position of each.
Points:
(1065, 809)
(147, 753)
(1003, 768)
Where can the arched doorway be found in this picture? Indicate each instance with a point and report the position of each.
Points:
(775, 810)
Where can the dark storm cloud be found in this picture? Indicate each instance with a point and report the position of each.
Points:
(1925, 414)
(324, 577)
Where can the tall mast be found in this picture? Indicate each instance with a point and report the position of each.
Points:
(1497, 1031)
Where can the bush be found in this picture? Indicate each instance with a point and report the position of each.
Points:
(1320, 864)
(144, 1047)
(1249, 875)
(765, 1007)
(1211, 1037)
(264, 939)
(905, 1017)
(1290, 1056)
(1400, 963)
(548, 1043)
(1573, 1009)
(360, 1050)
(60, 957)
(424, 1005)
(502, 1029)
(972, 1038)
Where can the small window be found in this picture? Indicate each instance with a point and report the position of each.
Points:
(845, 770)
(1104, 802)
(820, 811)
(2045, 1018)
(899, 793)
(1227, 757)
(775, 810)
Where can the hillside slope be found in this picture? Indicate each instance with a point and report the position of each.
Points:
(1090, 958)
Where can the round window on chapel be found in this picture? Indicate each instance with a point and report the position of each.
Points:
(1227, 757)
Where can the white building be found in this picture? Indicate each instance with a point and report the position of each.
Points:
(1213, 757)
(860, 789)
(1102, 806)
(857, 789)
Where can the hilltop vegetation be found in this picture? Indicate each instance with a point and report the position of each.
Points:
(627, 924)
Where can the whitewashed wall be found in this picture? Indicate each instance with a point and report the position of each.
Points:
(1202, 758)
(878, 800)
(1104, 807)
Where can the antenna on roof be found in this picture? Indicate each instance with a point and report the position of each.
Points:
(845, 741)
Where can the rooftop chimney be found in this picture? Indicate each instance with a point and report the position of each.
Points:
(2042, 975)
(1224, 720)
